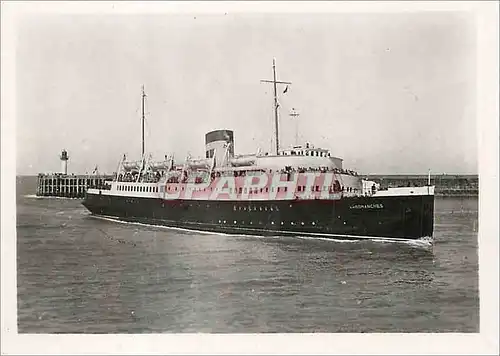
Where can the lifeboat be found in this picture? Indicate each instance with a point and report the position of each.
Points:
(242, 161)
(160, 165)
(199, 164)
(131, 165)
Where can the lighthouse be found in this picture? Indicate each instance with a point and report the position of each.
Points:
(64, 162)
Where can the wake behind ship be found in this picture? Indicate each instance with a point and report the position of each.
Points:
(300, 190)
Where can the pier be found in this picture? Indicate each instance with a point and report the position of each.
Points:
(446, 184)
(67, 185)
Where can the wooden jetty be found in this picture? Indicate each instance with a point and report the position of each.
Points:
(67, 185)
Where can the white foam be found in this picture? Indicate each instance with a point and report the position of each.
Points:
(325, 239)
(423, 242)
(34, 196)
(158, 226)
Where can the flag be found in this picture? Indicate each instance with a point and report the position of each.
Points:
(286, 89)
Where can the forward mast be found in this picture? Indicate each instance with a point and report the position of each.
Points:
(276, 104)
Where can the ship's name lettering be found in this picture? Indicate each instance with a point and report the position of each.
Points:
(367, 206)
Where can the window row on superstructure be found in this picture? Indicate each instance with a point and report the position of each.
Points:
(137, 188)
(310, 153)
(240, 190)
(250, 190)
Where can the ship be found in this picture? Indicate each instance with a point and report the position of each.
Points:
(300, 190)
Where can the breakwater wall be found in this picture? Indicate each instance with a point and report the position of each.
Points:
(68, 185)
(446, 184)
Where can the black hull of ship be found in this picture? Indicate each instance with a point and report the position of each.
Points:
(391, 217)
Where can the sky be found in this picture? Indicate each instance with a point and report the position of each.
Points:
(389, 93)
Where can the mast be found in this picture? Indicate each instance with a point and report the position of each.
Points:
(143, 97)
(276, 105)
